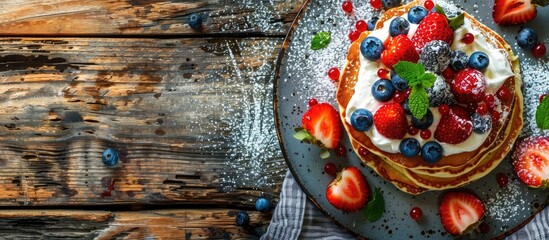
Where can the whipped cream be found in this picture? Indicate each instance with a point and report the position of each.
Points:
(497, 72)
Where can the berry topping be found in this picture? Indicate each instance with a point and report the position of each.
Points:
(361, 26)
(409, 147)
(399, 83)
(531, 161)
(539, 50)
(431, 152)
(495, 116)
(383, 90)
(354, 35)
(433, 27)
(313, 102)
(509, 12)
(242, 219)
(424, 122)
(322, 122)
(469, 85)
(362, 120)
(429, 5)
(110, 157)
(479, 61)
(331, 169)
(399, 48)
(502, 179)
(376, 4)
(399, 97)
(527, 38)
(436, 56)
(262, 204)
(482, 109)
(481, 123)
(504, 93)
(443, 109)
(382, 73)
(387, 4)
(440, 93)
(372, 23)
(459, 210)
(459, 60)
(347, 6)
(472, 107)
(340, 150)
(406, 107)
(416, 213)
(490, 100)
(425, 134)
(333, 74)
(371, 48)
(542, 96)
(398, 26)
(455, 127)
(416, 14)
(412, 130)
(349, 190)
(195, 21)
(390, 121)
(448, 74)
(468, 38)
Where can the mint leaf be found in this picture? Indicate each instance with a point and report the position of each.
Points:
(428, 80)
(321, 40)
(408, 71)
(456, 22)
(542, 114)
(418, 101)
(375, 207)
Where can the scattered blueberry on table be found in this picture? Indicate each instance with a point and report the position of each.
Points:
(195, 21)
(242, 219)
(110, 157)
(262, 204)
(527, 38)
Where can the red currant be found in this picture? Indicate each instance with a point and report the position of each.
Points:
(484, 228)
(482, 109)
(539, 50)
(429, 5)
(330, 169)
(363, 152)
(504, 93)
(312, 102)
(472, 107)
(361, 26)
(407, 92)
(495, 116)
(468, 38)
(347, 6)
(333, 74)
(412, 130)
(502, 179)
(399, 97)
(354, 35)
(443, 109)
(425, 134)
(382, 73)
(376, 4)
(448, 74)
(542, 97)
(416, 213)
(341, 151)
(490, 101)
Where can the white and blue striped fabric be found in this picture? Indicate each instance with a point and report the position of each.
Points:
(295, 217)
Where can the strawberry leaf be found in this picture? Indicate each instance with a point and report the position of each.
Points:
(440, 10)
(320, 40)
(324, 153)
(457, 21)
(418, 101)
(375, 207)
(542, 114)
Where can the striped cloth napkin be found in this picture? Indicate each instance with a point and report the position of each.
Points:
(295, 217)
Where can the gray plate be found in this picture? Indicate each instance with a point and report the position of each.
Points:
(301, 75)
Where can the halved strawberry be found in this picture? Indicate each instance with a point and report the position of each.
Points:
(399, 48)
(460, 211)
(323, 123)
(510, 12)
(390, 121)
(349, 190)
(433, 27)
(531, 161)
(454, 127)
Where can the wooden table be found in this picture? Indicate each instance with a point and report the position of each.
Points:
(189, 111)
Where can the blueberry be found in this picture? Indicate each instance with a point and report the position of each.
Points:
(399, 83)
(479, 60)
(398, 26)
(416, 14)
(110, 157)
(440, 93)
(362, 120)
(242, 219)
(409, 147)
(436, 56)
(406, 107)
(459, 60)
(383, 90)
(262, 204)
(424, 122)
(431, 152)
(371, 48)
(387, 4)
(372, 23)
(481, 123)
(195, 21)
(527, 38)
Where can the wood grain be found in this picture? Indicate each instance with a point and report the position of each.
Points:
(145, 17)
(181, 112)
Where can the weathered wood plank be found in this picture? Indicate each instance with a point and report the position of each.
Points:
(158, 17)
(192, 119)
(158, 224)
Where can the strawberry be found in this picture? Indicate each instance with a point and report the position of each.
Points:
(390, 121)
(433, 27)
(510, 12)
(531, 161)
(349, 190)
(469, 85)
(323, 123)
(454, 127)
(460, 211)
(399, 48)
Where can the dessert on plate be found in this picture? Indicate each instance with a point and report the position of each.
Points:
(430, 101)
